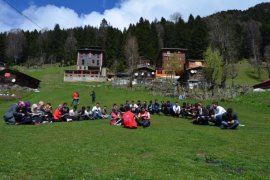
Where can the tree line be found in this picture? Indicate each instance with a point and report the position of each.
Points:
(234, 34)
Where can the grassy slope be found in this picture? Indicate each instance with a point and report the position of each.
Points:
(247, 75)
(170, 149)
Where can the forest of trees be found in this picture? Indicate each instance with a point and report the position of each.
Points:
(235, 34)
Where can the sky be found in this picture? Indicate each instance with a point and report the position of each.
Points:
(44, 14)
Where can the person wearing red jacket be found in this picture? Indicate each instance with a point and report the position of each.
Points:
(144, 118)
(75, 98)
(57, 114)
(129, 119)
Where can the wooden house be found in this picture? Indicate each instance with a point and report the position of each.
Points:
(165, 68)
(193, 75)
(9, 76)
(143, 74)
(89, 66)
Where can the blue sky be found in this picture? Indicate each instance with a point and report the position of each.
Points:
(80, 6)
(119, 13)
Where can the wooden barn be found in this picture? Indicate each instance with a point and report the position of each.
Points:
(193, 75)
(9, 76)
(144, 74)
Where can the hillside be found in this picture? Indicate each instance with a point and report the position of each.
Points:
(172, 148)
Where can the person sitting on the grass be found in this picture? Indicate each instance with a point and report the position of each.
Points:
(122, 109)
(163, 107)
(229, 120)
(65, 113)
(150, 107)
(57, 115)
(74, 114)
(82, 114)
(168, 108)
(115, 116)
(37, 115)
(144, 104)
(48, 112)
(156, 107)
(127, 104)
(202, 116)
(184, 110)
(134, 107)
(96, 110)
(218, 110)
(27, 107)
(104, 113)
(143, 118)
(89, 113)
(139, 104)
(15, 113)
(129, 119)
(176, 109)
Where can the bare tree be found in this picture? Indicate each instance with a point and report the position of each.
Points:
(175, 17)
(254, 41)
(160, 34)
(175, 65)
(42, 43)
(233, 70)
(267, 58)
(15, 43)
(132, 55)
(222, 37)
(70, 48)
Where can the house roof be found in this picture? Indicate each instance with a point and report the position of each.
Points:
(263, 85)
(90, 48)
(145, 67)
(194, 68)
(174, 49)
(21, 78)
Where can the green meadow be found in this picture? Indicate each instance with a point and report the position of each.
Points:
(171, 148)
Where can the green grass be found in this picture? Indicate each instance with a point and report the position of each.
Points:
(247, 75)
(170, 149)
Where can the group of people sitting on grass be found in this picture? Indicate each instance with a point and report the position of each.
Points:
(129, 114)
(211, 114)
(40, 113)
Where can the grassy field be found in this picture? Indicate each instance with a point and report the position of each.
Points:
(172, 148)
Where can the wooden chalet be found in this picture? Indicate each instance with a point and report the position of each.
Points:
(89, 66)
(9, 76)
(193, 75)
(164, 57)
(143, 74)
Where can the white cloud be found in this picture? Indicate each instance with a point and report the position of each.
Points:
(128, 11)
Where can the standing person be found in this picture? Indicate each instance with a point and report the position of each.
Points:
(93, 95)
(75, 99)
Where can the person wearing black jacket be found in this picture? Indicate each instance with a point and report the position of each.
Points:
(202, 115)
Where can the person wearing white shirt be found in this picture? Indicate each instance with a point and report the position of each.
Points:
(219, 111)
(96, 110)
(176, 109)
